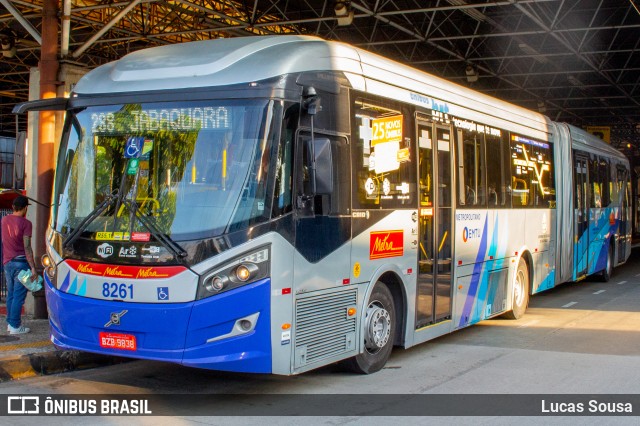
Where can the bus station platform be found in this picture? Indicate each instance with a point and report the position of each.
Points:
(32, 354)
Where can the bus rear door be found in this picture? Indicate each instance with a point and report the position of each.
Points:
(623, 196)
(581, 216)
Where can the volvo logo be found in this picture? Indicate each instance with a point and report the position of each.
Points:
(115, 318)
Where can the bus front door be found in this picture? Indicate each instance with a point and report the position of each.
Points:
(581, 216)
(433, 302)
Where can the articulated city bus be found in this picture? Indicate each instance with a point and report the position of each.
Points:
(276, 204)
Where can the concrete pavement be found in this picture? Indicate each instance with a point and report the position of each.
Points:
(33, 354)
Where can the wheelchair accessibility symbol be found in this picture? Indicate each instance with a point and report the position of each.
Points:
(163, 293)
(133, 147)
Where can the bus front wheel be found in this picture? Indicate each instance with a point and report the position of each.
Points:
(379, 333)
(520, 291)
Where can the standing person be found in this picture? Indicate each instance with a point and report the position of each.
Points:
(17, 255)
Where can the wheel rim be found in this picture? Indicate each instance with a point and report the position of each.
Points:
(609, 263)
(519, 288)
(378, 327)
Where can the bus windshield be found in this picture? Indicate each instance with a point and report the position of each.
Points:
(194, 169)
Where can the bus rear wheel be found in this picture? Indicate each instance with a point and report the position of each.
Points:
(379, 333)
(520, 291)
(608, 269)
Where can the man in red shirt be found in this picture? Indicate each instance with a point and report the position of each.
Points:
(17, 255)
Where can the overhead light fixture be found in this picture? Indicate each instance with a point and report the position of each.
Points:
(473, 13)
(472, 74)
(542, 107)
(571, 79)
(8, 44)
(535, 55)
(344, 13)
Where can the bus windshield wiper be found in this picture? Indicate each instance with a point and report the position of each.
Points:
(90, 218)
(174, 247)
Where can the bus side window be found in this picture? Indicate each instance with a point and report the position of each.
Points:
(520, 192)
(283, 153)
(341, 196)
(498, 171)
(471, 169)
(594, 182)
(604, 174)
(282, 192)
(532, 183)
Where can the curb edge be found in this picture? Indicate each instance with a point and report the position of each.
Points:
(45, 363)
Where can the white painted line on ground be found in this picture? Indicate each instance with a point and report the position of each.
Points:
(622, 282)
(599, 291)
(530, 323)
(568, 305)
(638, 275)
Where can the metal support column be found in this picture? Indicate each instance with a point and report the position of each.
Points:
(46, 143)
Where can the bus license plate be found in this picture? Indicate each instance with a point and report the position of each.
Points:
(118, 341)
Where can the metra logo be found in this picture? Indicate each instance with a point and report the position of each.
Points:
(150, 273)
(86, 268)
(386, 244)
(469, 234)
(115, 271)
(125, 271)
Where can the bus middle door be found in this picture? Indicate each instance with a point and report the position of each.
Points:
(623, 230)
(433, 302)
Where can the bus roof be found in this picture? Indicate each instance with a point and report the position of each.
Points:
(212, 63)
(585, 140)
(219, 62)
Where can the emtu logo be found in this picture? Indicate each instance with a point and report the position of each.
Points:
(468, 234)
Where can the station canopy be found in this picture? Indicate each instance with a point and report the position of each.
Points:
(575, 61)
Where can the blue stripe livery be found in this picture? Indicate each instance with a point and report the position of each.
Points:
(475, 279)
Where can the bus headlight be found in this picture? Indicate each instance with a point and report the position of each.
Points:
(49, 266)
(246, 271)
(216, 284)
(242, 270)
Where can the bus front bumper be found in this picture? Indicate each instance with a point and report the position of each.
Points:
(196, 334)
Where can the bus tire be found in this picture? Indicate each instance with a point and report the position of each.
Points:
(379, 333)
(607, 272)
(520, 291)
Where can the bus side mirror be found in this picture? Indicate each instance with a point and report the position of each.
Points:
(323, 176)
(324, 166)
(18, 161)
(316, 179)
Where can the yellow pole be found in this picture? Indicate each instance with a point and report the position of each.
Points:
(224, 168)
(444, 237)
